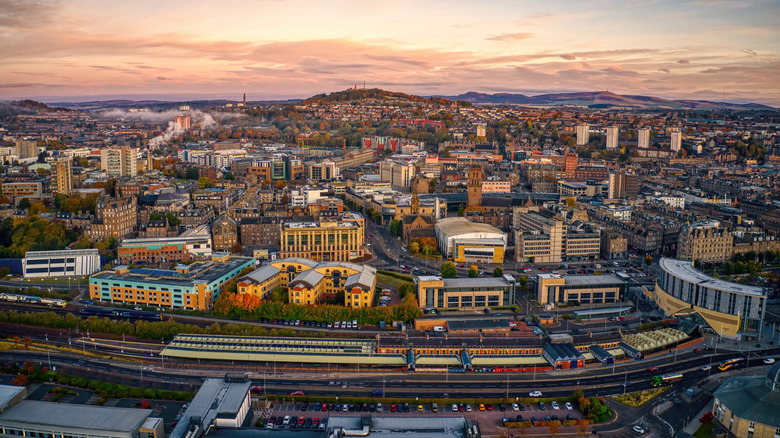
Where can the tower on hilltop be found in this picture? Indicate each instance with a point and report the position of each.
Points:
(474, 186)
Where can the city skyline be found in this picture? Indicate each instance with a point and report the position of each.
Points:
(84, 50)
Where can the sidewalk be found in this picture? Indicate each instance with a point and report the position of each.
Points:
(694, 424)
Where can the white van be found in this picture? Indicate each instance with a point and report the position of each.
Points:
(438, 328)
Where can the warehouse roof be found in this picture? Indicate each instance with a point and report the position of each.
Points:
(98, 418)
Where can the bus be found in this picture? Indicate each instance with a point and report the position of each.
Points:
(667, 379)
(731, 363)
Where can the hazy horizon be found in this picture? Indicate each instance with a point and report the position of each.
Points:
(55, 50)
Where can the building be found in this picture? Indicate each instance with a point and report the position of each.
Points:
(585, 289)
(613, 246)
(748, 405)
(115, 217)
(397, 174)
(676, 140)
(61, 175)
(464, 241)
(623, 185)
(46, 419)
(66, 263)
(613, 133)
(27, 149)
(311, 282)
(705, 242)
(182, 123)
(496, 186)
(732, 310)
(583, 134)
(219, 403)
(584, 244)
(189, 287)
(224, 233)
(22, 189)
(643, 138)
(193, 244)
(540, 236)
(323, 171)
(435, 292)
(119, 161)
(326, 240)
(266, 230)
(570, 164)
(474, 187)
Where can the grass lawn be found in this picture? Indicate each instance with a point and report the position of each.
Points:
(630, 399)
(704, 430)
(388, 281)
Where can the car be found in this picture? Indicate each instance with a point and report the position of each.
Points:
(535, 394)
(626, 384)
(286, 420)
(338, 407)
(317, 406)
(504, 421)
(304, 406)
(454, 407)
(481, 407)
(543, 269)
(296, 393)
(501, 407)
(468, 407)
(270, 424)
(769, 360)
(515, 407)
(379, 407)
(489, 407)
(372, 408)
(315, 422)
(301, 421)
(542, 406)
(697, 350)
(522, 406)
(555, 406)
(638, 429)
(307, 423)
(533, 421)
(461, 407)
(706, 367)
(377, 393)
(392, 408)
(653, 369)
(568, 406)
(407, 408)
(420, 408)
(569, 417)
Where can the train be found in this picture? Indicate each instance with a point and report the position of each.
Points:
(30, 299)
(115, 313)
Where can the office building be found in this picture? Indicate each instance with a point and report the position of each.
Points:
(193, 244)
(119, 161)
(612, 138)
(311, 282)
(748, 406)
(22, 189)
(326, 240)
(398, 174)
(323, 171)
(586, 289)
(189, 287)
(540, 236)
(707, 241)
(676, 140)
(435, 292)
(643, 141)
(464, 241)
(583, 134)
(732, 310)
(61, 175)
(66, 263)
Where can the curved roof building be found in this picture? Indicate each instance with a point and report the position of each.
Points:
(464, 241)
(749, 406)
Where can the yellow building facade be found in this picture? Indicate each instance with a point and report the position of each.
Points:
(324, 241)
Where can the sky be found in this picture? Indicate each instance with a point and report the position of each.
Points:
(276, 49)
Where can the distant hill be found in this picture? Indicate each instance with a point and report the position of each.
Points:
(603, 99)
(370, 93)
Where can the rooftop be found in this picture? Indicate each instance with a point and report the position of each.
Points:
(97, 418)
(203, 272)
(749, 398)
(684, 270)
(215, 397)
(458, 225)
(7, 393)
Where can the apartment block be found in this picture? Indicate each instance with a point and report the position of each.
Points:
(705, 242)
(119, 161)
(115, 217)
(193, 244)
(61, 175)
(327, 240)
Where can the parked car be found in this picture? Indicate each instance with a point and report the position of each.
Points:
(769, 360)
(535, 394)
(568, 406)
(555, 406)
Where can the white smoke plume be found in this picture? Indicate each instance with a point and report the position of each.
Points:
(197, 118)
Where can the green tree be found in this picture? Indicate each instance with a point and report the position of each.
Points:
(24, 204)
(499, 271)
(473, 272)
(427, 249)
(192, 173)
(42, 157)
(448, 270)
(395, 227)
(414, 247)
(461, 211)
(173, 220)
(204, 182)
(155, 216)
(230, 177)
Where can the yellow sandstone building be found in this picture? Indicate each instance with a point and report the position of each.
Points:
(327, 241)
(310, 282)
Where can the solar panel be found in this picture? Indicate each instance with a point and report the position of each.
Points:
(156, 272)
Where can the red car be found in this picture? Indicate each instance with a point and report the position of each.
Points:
(543, 269)
(652, 369)
(697, 350)
(405, 271)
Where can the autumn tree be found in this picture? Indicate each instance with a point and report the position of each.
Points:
(473, 271)
(414, 247)
(448, 270)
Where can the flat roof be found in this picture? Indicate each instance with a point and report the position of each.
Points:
(215, 397)
(64, 252)
(684, 270)
(199, 273)
(593, 279)
(98, 418)
(476, 282)
(8, 392)
(457, 225)
(407, 427)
